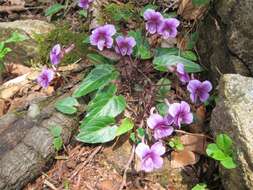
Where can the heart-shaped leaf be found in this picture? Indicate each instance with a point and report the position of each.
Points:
(105, 103)
(67, 105)
(98, 77)
(126, 125)
(54, 9)
(214, 152)
(99, 130)
(142, 48)
(163, 62)
(224, 142)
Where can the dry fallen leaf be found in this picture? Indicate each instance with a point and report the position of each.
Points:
(194, 143)
(198, 126)
(183, 158)
(17, 69)
(190, 12)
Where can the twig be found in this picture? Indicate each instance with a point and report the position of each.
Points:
(50, 185)
(86, 161)
(9, 9)
(123, 183)
(193, 134)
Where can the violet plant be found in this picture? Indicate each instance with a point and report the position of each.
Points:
(99, 124)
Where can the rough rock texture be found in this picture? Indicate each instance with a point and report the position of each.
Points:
(225, 38)
(168, 177)
(234, 115)
(26, 146)
(24, 51)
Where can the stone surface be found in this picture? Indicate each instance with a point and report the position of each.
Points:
(119, 154)
(225, 38)
(23, 52)
(234, 115)
(26, 144)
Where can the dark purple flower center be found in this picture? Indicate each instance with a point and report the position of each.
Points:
(155, 20)
(161, 125)
(150, 154)
(102, 35)
(45, 78)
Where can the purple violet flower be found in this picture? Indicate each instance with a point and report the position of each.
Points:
(45, 77)
(154, 20)
(102, 36)
(180, 113)
(168, 28)
(150, 157)
(84, 3)
(160, 125)
(199, 90)
(56, 54)
(182, 75)
(124, 45)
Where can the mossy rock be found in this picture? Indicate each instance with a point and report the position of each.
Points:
(64, 36)
(23, 52)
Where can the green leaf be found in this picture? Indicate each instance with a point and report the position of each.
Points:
(229, 163)
(57, 143)
(3, 50)
(214, 152)
(164, 51)
(162, 109)
(83, 13)
(148, 6)
(164, 86)
(106, 105)
(162, 63)
(54, 9)
(86, 41)
(190, 55)
(200, 2)
(119, 12)
(200, 186)
(176, 144)
(170, 14)
(99, 130)
(67, 105)
(142, 48)
(16, 37)
(97, 78)
(56, 131)
(132, 137)
(141, 132)
(224, 142)
(98, 59)
(126, 125)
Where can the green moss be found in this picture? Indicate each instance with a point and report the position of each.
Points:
(64, 36)
(115, 13)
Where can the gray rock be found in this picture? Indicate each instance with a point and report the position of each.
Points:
(233, 115)
(225, 38)
(30, 27)
(23, 52)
